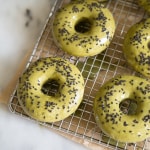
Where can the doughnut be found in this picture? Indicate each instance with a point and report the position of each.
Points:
(83, 28)
(145, 4)
(50, 89)
(116, 123)
(136, 47)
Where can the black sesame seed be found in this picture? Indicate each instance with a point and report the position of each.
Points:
(146, 118)
(135, 121)
(125, 123)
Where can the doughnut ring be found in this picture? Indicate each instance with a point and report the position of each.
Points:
(50, 73)
(112, 120)
(83, 28)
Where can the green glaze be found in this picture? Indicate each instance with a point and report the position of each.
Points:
(50, 108)
(110, 118)
(94, 33)
(136, 47)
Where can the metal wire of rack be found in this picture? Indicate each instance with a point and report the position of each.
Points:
(96, 71)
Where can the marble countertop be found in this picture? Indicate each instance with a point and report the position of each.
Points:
(20, 25)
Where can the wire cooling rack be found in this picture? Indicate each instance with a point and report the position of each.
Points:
(96, 70)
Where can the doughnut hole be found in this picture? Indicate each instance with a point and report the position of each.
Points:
(128, 106)
(50, 87)
(83, 25)
(148, 45)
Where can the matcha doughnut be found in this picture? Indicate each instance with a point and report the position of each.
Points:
(83, 28)
(112, 120)
(136, 47)
(53, 73)
(145, 4)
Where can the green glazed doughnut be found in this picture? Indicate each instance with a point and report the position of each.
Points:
(112, 120)
(145, 4)
(83, 28)
(43, 105)
(136, 47)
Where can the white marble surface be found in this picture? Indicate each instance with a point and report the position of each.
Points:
(19, 30)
